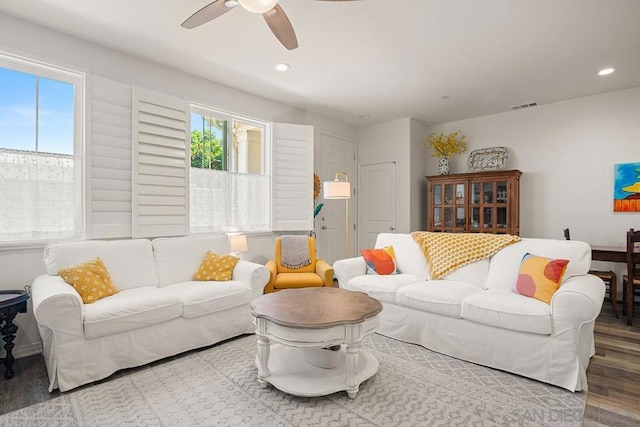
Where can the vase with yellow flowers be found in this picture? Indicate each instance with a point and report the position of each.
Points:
(444, 146)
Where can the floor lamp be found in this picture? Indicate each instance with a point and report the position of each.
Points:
(337, 189)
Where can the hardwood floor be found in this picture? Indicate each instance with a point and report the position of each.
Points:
(613, 376)
(614, 372)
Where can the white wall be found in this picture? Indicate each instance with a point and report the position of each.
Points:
(418, 171)
(566, 152)
(390, 142)
(20, 267)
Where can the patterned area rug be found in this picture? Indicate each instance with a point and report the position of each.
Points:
(218, 387)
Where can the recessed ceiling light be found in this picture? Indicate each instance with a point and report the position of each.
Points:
(282, 67)
(606, 71)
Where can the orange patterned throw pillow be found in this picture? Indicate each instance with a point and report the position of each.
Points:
(380, 261)
(540, 277)
(90, 279)
(216, 267)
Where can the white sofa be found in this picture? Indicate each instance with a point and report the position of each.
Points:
(472, 313)
(158, 312)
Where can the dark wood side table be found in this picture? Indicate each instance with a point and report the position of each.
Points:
(11, 303)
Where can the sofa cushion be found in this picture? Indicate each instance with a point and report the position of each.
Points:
(504, 266)
(409, 257)
(177, 258)
(437, 296)
(130, 262)
(130, 309)
(508, 310)
(383, 288)
(199, 298)
(474, 273)
(90, 279)
(297, 280)
(216, 267)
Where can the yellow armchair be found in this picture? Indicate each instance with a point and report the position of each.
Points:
(317, 274)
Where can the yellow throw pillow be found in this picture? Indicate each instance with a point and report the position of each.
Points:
(90, 279)
(216, 267)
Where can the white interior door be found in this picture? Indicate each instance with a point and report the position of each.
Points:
(377, 202)
(335, 154)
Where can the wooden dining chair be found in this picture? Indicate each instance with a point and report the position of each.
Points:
(609, 278)
(631, 280)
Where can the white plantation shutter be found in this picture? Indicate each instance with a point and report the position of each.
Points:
(292, 177)
(161, 162)
(110, 153)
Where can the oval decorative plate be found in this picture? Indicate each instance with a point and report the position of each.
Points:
(488, 159)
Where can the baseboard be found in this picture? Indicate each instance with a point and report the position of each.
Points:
(23, 350)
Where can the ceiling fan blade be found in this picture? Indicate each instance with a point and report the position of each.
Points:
(206, 14)
(281, 27)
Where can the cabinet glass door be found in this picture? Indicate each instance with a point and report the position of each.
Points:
(437, 218)
(475, 193)
(475, 219)
(437, 194)
(448, 194)
(501, 220)
(461, 218)
(460, 190)
(501, 192)
(488, 192)
(487, 218)
(448, 217)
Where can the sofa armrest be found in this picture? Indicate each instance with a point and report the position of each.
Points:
(255, 275)
(346, 269)
(273, 271)
(579, 300)
(324, 270)
(56, 305)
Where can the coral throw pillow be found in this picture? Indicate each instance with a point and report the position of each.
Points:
(380, 261)
(540, 277)
(90, 279)
(216, 267)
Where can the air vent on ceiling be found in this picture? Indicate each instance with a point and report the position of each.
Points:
(527, 105)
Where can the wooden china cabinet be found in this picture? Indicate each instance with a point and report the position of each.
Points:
(478, 202)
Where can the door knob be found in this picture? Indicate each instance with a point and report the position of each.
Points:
(324, 227)
(392, 228)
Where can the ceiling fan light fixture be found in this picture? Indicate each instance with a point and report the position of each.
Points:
(282, 66)
(258, 6)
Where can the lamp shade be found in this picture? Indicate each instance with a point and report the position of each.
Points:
(238, 243)
(337, 190)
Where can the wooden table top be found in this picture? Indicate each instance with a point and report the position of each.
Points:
(315, 308)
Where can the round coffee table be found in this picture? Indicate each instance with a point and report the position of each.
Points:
(318, 334)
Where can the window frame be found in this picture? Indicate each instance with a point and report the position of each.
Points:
(265, 153)
(78, 80)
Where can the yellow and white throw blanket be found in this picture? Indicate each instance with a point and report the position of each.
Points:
(446, 252)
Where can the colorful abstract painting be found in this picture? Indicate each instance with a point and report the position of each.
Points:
(626, 188)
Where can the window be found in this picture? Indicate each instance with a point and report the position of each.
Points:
(40, 146)
(229, 179)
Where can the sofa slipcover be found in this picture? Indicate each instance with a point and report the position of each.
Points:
(158, 312)
(472, 313)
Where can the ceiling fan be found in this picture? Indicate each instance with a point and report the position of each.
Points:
(273, 14)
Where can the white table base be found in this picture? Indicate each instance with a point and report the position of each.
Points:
(290, 373)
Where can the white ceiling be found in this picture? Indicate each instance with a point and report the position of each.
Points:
(381, 58)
